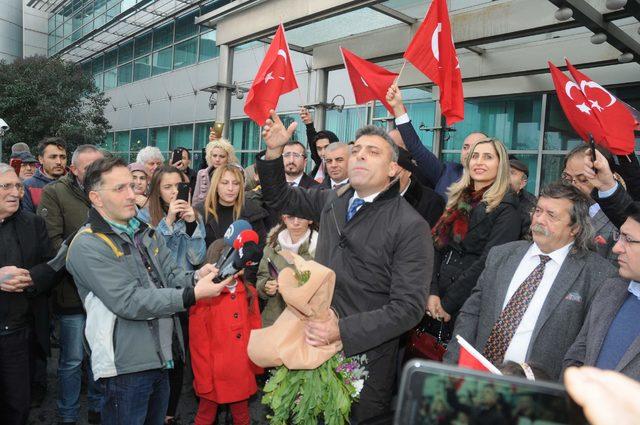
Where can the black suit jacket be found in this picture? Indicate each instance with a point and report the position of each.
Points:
(307, 182)
(425, 200)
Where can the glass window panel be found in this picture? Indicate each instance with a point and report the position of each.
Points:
(97, 79)
(558, 133)
(185, 26)
(143, 44)
(113, 12)
(100, 6)
(107, 143)
(345, 123)
(202, 135)
(124, 74)
(97, 64)
(515, 120)
(77, 35)
(138, 141)
(161, 61)
(127, 4)
(87, 28)
(300, 134)
(142, 68)
(110, 79)
(125, 52)
(163, 36)
(245, 137)
(51, 24)
(111, 59)
(100, 20)
(552, 166)
(122, 141)
(181, 136)
(186, 53)
(208, 48)
(159, 137)
(86, 67)
(422, 114)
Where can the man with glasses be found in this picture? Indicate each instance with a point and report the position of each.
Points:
(25, 278)
(610, 338)
(573, 174)
(295, 161)
(130, 287)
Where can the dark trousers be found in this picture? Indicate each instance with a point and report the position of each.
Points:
(375, 398)
(176, 380)
(139, 398)
(15, 391)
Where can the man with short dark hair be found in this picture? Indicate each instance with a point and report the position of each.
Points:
(518, 179)
(294, 157)
(52, 154)
(130, 287)
(318, 142)
(25, 279)
(376, 243)
(183, 165)
(64, 207)
(532, 297)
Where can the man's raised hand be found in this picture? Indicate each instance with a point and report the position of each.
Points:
(276, 135)
(394, 98)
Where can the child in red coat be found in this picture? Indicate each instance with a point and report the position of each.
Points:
(219, 331)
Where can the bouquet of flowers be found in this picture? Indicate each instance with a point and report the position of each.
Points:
(302, 396)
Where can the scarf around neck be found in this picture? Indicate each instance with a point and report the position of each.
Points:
(454, 222)
(284, 240)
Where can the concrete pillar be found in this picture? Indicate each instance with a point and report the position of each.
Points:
(225, 75)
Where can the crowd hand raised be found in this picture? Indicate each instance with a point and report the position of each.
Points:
(602, 179)
(271, 287)
(188, 214)
(322, 332)
(14, 279)
(394, 98)
(607, 397)
(305, 116)
(207, 288)
(276, 135)
(176, 207)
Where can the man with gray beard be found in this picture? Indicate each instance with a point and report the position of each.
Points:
(532, 297)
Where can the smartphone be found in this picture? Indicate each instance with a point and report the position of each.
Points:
(183, 191)
(177, 156)
(468, 396)
(16, 164)
(273, 270)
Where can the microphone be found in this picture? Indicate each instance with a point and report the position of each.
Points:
(244, 237)
(248, 255)
(231, 234)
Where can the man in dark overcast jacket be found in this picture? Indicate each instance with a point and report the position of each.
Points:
(377, 244)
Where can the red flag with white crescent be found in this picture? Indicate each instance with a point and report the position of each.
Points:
(576, 107)
(615, 118)
(369, 81)
(274, 78)
(433, 53)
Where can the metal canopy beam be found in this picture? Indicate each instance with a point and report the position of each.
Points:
(386, 10)
(584, 13)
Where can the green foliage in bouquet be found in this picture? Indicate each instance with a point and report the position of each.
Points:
(302, 396)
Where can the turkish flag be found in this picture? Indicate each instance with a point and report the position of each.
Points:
(576, 107)
(274, 78)
(433, 53)
(470, 358)
(369, 81)
(615, 118)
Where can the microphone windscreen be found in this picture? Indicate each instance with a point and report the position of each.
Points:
(249, 254)
(244, 237)
(234, 230)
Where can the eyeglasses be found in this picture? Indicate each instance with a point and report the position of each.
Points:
(8, 186)
(121, 188)
(567, 178)
(294, 155)
(623, 238)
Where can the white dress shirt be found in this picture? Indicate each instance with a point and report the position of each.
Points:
(343, 182)
(517, 350)
(296, 182)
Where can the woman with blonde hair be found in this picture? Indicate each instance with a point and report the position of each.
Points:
(482, 212)
(217, 153)
(225, 203)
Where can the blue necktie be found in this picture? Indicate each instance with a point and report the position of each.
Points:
(357, 202)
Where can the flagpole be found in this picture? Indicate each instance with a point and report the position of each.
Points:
(404, 63)
(482, 359)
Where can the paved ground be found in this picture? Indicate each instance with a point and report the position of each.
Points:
(46, 414)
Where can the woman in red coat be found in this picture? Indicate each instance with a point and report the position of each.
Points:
(219, 331)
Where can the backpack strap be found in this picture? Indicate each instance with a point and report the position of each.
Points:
(116, 251)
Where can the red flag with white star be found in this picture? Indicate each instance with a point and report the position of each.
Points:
(614, 117)
(274, 78)
(369, 81)
(576, 107)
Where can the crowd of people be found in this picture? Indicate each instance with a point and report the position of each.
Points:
(110, 260)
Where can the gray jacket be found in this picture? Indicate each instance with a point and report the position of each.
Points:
(122, 304)
(563, 311)
(603, 310)
(603, 229)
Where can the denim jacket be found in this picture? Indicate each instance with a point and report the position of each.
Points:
(189, 251)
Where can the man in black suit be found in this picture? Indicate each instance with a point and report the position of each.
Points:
(25, 279)
(610, 337)
(294, 156)
(379, 247)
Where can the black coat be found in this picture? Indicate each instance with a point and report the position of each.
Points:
(382, 259)
(425, 200)
(460, 265)
(528, 202)
(615, 207)
(307, 182)
(35, 249)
